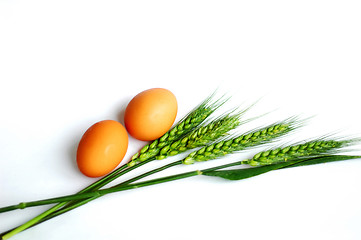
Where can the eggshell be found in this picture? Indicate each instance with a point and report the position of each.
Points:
(150, 114)
(102, 148)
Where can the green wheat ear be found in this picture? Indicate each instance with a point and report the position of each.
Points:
(188, 123)
(314, 148)
(244, 141)
(203, 135)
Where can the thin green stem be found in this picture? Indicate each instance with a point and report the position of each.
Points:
(65, 205)
(84, 201)
(31, 222)
(57, 210)
(96, 185)
(73, 204)
(119, 187)
(118, 174)
(245, 173)
(101, 181)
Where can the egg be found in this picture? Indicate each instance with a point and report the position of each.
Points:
(102, 148)
(150, 114)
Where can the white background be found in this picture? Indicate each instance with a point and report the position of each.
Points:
(65, 65)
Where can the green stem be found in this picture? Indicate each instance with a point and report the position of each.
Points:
(111, 177)
(122, 186)
(118, 174)
(243, 173)
(84, 201)
(31, 222)
(149, 173)
(68, 205)
(101, 181)
(55, 211)
(95, 185)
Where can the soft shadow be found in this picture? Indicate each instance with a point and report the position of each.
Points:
(121, 113)
(120, 116)
(72, 153)
(73, 139)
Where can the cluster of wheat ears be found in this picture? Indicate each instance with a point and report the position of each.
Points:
(206, 139)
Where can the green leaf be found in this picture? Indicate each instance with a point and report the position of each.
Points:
(324, 159)
(238, 174)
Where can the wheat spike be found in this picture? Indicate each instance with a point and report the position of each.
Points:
(312, 148)
(242, 142)
(202, 135)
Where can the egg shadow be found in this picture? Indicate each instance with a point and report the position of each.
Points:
(76, 132)
(72, 151)
(120, 116)
(121, 112)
